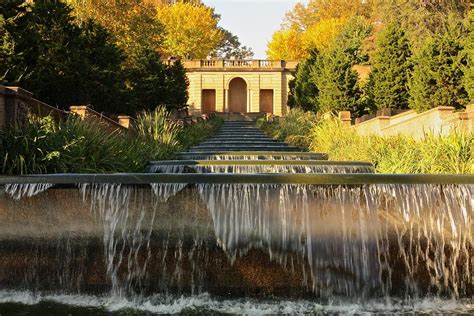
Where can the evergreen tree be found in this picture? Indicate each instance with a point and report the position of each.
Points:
(177, 86)
(391, 66)
(337, 83)
(351, 37)
(303, 90)
(469, 51)
(438, 72)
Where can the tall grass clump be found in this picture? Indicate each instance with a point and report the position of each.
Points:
(293, 129)
(193, 134)
(41, 145)
(452, 154)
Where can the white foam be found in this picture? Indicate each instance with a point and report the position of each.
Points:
(173, 305)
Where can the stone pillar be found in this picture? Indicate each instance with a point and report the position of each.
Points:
(345, 117)
(80, 110)
(124, 120)
(226, 100)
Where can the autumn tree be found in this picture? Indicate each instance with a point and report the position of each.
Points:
(191, 30)
(321, 35)
(133, 23)
(286, 44)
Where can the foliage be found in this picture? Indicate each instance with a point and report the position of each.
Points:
(438, 72)
(303, 91)
(286, 44)
(469, 52)
(132, 23)
(391, 66)
(158, 126)
(352, 36)
(420, 19)
(230, 47)
(194, 134)
(44, 146)
(452, 154)
(337, 83)
(151, 83)
(191, 30)
(294, 128)
(7, 47)
(59, 61)
(321, 35)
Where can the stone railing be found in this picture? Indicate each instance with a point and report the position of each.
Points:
(239, 63)
(438, 121)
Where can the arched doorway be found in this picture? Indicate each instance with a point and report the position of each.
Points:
(238, 95)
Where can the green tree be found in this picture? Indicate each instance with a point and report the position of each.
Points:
(153, 84)
(391, 66)
(337, 83)
(303, 90)
(352, 36)
(469, 51)
(177, 86)
(438, 71)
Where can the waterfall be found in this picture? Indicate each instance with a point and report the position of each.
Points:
(348, 234)
(20, 190)
(264, 168)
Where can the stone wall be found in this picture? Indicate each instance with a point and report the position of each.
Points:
(438, 121)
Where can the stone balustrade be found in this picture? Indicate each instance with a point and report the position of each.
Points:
(239, 63)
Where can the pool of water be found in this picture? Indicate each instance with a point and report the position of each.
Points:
(28, 303)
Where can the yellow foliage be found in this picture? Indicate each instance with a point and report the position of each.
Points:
(190, 30)
(344, 9)
(286, 44)
(322, 34)
(132, 23)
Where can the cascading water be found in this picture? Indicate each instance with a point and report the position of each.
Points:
(264, 168)
(18, 190)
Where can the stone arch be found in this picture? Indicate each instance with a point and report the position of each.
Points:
(238, 95)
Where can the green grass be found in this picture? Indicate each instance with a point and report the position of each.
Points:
(452, 154)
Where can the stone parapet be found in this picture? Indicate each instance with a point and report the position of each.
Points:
(438, 121)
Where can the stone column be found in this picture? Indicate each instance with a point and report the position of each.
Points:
(226, 100)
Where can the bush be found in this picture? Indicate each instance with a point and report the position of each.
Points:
(293, 129)
(438, 72)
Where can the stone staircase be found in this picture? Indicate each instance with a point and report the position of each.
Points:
(241, 147)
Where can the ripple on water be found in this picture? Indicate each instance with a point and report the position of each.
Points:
(205, 304)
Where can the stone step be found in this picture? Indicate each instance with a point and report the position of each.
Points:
(244, 148)
(258, 155)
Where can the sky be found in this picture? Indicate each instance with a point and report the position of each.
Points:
(253, 21)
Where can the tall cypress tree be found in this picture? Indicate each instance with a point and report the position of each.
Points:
(438, 72)
(337, 83)
(469, 51)
(391, 66)
(303, 90)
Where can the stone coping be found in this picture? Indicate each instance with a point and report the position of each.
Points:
(258, 162)
(277, 178)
